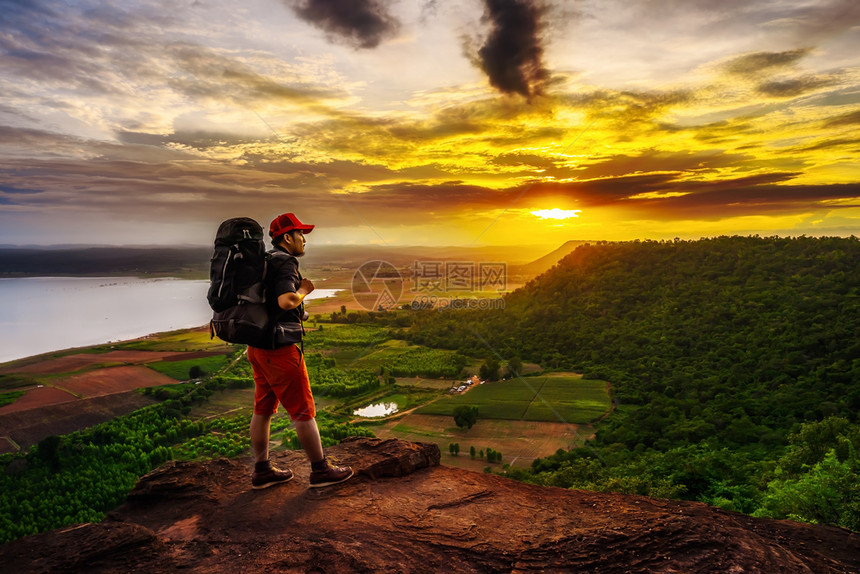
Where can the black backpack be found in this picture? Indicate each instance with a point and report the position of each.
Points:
(237, 292)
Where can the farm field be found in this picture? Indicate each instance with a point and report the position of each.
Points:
(438, 384)
(77, 362)
(71, 390)
(412, 360)
(241, 401)
(335, 336)
(37, 397)
(520, 442)
(186, 340)
(558, 397)
(111, 380)
(27, 427)
(179, 368)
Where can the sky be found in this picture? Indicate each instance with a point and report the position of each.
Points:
(429, 122)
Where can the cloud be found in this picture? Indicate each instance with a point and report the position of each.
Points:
(208, 74)
(512, 54)
(848, 119)
(819, 21)
(667, 196)
(10, 189)
(624, 109)
(744, 198)
(649, 161)
(793, 87)
(826, 144)
(752, 65)
(358, 23)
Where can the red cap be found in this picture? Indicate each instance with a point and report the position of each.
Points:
(286, 223)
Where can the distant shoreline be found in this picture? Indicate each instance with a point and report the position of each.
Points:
(54, 314)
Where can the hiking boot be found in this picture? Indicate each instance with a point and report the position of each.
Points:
(329, 476)
(270, 477)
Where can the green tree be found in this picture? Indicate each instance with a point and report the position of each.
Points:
(472, 451)
(515, 366)
(828, 492)
(466, 416)
(489, 371)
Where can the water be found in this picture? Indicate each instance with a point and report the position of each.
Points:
(377, 410)
(43, 314)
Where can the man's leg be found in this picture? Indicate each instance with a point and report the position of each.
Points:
(309, 436)
(265, 475)
(260, 436)
(322, 473)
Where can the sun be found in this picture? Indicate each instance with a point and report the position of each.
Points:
(556, 213)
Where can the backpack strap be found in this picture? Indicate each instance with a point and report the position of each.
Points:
(275, 252)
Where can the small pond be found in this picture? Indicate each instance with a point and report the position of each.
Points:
(377, 410)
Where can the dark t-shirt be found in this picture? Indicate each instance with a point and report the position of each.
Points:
(283, 276)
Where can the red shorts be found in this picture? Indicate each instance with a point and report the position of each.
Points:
(281, 376)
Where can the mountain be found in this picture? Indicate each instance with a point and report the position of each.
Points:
(404, 513)
(546, 262)
(144, 260)
(403, 256)
(733, 362)
(73, 261)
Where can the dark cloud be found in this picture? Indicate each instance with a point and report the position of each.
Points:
(654, 195)
(659, 161)
(827, 144)
(849, 119)
(658, 195)
(512, 54)
(10, 189)
(755, 64)
(358, 23)
(793, 87)
(742, 199)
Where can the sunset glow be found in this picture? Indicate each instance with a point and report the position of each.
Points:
(556, 213)
(143, 123)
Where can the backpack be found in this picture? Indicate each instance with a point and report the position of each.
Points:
(237, 292)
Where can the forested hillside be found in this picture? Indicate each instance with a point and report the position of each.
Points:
(735, 364)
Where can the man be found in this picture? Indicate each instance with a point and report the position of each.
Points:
(280, 374)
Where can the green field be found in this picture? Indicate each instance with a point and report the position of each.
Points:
(334, 335)
(553, 398)
(11, 397)
(184, 340)
(179, 370)
(15, 381)
(412, 361)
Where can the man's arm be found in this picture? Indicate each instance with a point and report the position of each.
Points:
(289, 300)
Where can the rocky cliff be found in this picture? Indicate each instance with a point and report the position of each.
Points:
(404, 513)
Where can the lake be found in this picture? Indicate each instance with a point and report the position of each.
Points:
(43, 314)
